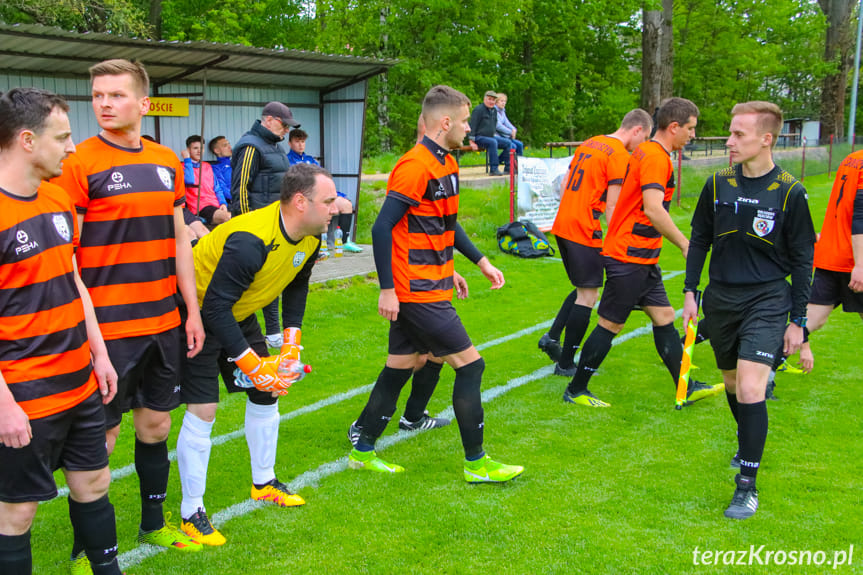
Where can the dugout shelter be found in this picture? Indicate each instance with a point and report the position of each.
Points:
(220, 89)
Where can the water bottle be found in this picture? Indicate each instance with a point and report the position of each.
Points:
(289, 370)
(324, 253)
(292, 370)
(338, 243)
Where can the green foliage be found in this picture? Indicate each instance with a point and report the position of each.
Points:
(262, 23)
(729, 52)
(123, 17)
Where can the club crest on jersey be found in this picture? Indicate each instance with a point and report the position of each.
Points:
(62, 227)
(166, 178)
(762, 226)
(298, 259)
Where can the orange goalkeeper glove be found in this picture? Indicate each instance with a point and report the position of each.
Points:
(291, 343)
(263, 372)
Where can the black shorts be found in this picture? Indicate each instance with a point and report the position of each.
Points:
(628, 285)
(747, 322)
(73, 439)
(148, 368)
(831, 288)
(201, 373)
(428, 327)
(583, 263)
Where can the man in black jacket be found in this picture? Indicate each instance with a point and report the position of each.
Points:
(483, 133)
(258, 165)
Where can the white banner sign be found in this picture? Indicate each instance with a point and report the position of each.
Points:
(539, 182)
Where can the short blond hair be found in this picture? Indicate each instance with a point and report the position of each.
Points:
(118, 67)
(769, 116)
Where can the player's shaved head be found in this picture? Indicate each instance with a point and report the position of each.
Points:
(441, 101)
(637, 117)
(769, 116)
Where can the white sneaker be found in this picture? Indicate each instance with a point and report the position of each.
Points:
(274, 340)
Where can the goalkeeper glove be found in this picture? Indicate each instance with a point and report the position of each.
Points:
(263, 372)
(291, 344)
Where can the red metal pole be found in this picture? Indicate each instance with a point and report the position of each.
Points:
(803, 163)
(830, 156)
(679, 164)
(512, 168)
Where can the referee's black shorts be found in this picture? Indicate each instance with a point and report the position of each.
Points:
(583, 264)
(427, 327)
(628, 285)
(201, 373)
(747, 322)
(831, 288)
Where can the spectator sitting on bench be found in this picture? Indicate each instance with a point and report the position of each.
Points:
(505, 129)
(483, 133)
(221, 148)
(297, 142)
(207, 200)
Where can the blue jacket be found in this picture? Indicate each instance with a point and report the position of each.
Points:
(222, 171)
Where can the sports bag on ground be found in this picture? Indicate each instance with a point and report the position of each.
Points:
(523, 239)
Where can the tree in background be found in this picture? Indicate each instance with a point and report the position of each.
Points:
(838, 46)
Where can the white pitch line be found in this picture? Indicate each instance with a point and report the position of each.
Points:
(313, 478)
(125, 471)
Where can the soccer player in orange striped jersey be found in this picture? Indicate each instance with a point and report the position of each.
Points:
(838, 277)
(631, 253)
(51, 413)
(134, 256)
(413, 238)
(590, 189)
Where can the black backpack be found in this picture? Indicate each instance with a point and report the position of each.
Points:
(523, 239)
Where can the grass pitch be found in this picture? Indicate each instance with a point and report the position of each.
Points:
(637, 488)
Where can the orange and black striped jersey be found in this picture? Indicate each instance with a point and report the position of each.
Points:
(426, 179)
(44, 352)
(127, 252)
(598, 163)
(844, 217)
(631, 235)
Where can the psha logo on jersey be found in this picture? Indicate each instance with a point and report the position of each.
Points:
(62, 227)
(166, 177)
(298, 259)
(119, 182)
(26, 243)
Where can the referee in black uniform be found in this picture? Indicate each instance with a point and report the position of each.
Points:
(756, 217)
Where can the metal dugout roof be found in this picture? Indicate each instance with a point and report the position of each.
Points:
(30, 48)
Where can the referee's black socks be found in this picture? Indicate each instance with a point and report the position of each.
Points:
(152, 465)
(576, 325)
(95, 528)
(731, 396)
(422, 387)
(667, 342)
(467, 404)
(381, 405)
(751, 436)
(595, 349)
(15, 556)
